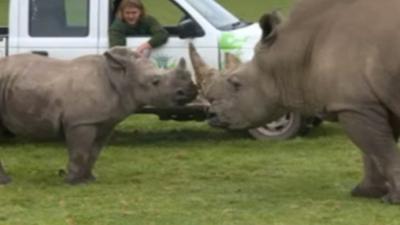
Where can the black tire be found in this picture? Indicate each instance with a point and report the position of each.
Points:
(286, 127)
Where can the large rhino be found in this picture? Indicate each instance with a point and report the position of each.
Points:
(339, 57)
(81, 100)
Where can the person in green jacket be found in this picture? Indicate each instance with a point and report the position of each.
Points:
(131, 19)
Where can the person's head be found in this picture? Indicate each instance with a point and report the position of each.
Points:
(131, 11)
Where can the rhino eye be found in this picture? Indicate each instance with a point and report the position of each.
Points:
(211, 100)
(155, 81)
(180, 92)
(234, 81)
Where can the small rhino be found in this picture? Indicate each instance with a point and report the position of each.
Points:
(81, 100)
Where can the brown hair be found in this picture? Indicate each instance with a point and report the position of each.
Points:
(131, 3)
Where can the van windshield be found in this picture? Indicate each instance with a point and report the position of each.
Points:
(217, 15)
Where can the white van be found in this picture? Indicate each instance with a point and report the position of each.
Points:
(67, 29)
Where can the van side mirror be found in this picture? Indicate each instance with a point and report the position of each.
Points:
(189, 29)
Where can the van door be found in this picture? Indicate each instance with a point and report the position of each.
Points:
(59, 28)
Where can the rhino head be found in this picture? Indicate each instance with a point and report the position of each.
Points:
(243, 95)
(140, 82)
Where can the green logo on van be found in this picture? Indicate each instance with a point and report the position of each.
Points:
(229, 41)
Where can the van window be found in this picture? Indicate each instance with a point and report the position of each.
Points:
(217, 15)
(170, 16)
(58, 18)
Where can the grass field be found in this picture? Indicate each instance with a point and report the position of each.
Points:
(171, 173)
(168, 173)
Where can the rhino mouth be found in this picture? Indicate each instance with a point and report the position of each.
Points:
(214, 121)
(181, 101)
(185, 96)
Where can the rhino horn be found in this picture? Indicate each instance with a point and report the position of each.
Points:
(202, 71)
(231, 61)
(182, 64)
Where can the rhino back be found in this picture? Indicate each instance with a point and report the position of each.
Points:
(335, 58)
(357, 58)
(38, 95)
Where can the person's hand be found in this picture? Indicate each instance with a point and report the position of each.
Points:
(144, 49)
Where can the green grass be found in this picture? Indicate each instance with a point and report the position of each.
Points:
(3, 12)
(168, 173)
(252, 9)
(155, 172)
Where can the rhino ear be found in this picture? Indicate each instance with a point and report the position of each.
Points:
(231, 61)
(117, 57)
(269, 24)
(118, 65)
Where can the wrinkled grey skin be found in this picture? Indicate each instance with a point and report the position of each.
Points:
(83, 99)
(339, 57)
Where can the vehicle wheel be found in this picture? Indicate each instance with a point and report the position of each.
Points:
(286, 127)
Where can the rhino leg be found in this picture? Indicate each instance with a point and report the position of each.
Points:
(395, 123)
(4, 132)
(372, 132)
(101, 138)
(373, 184)
(4, 179)
(81, 142)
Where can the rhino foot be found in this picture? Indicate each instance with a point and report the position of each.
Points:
(370, 191)
(8, 134)
(62, 173)
(4, 180)
(73, 180)
(391, 199)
